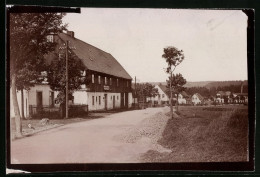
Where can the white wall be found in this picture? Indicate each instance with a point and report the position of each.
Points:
(161, 97)
(130, 99)
(195, 100)
(45, 89)
(181, 99)
(80, 97)
(30, 98)
(101, 106)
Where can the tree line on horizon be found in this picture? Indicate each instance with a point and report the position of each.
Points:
(212, 91)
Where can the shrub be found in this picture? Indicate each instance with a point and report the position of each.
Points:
(78, 110)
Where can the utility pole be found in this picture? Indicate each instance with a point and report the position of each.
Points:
(67, 47)
(67, 81)
(135, 90)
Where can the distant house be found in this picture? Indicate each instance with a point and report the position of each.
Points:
(162, 97)
(110, 86)
(227, 97)
(220, 96)
(197, 99)
(240, 97)
(183, 98)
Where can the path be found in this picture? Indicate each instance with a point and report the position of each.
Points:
(117, 138)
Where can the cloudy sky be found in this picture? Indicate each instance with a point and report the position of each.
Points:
(213, 41)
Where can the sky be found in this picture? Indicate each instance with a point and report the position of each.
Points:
(214, 41)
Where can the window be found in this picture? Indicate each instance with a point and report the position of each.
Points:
(163, 95)
(117, 97)
(50, 38)
(93, 78)
(126, 83)
(99, 80)
(96, 98)
(116, 82)
(105, 80)
(110, 81)
(93, 100)
(99, 100)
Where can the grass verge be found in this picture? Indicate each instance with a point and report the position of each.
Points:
(202, 134)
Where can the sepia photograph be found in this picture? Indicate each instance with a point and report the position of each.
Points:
(128, 86)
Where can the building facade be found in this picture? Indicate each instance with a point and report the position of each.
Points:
(162, 97)
(110, 86)
(197, 99)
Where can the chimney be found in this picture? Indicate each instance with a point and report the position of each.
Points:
(70, 33)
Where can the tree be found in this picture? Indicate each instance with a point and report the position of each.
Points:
(57, 75)
(150, 90)
(27, 76)
(145, 90)
(154, 92)
(28, 45)
(176, 82)
(173, 58)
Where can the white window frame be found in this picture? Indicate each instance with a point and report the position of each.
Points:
(105, 80)
(99, 80)
(93, 78)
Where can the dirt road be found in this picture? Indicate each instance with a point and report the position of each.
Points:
(117, 138)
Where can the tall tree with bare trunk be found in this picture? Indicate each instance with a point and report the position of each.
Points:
(173, 57)
(28, 44)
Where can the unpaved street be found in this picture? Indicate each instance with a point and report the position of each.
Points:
(117, 138)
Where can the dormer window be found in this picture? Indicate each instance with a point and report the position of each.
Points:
(50, 38)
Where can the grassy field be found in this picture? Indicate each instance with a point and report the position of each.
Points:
(205, 134)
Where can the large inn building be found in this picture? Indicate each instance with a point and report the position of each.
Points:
(110, 86)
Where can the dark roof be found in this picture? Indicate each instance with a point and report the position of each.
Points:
(221, 93)
(199, 96)
(164, 88)
(95, 59)
(184, 94)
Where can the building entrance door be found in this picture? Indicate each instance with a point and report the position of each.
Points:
(122, 100)
(126, 100)
(105, 101)
(39, 99)
(38, 102)
(114, 102)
